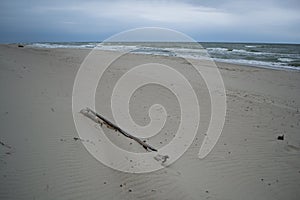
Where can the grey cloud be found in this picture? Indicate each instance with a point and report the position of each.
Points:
(214, 20)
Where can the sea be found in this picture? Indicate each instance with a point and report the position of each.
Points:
(275, 56)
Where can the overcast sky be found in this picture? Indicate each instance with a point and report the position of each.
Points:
(203, 20)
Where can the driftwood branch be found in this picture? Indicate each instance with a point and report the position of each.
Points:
(102, 120)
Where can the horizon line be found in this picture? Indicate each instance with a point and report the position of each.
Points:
(229, 42)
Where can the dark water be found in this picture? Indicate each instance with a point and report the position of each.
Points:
(276, 55)
(280, 56)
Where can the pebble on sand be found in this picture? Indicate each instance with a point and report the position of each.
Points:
(280, 137)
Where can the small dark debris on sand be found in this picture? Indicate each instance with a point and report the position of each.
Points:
(20, 45)
(280, 137)
(5, 145)
(161, 158)
(77, 138)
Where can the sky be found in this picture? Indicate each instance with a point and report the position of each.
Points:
(203, 20)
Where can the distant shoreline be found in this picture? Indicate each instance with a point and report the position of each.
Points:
(263, 55)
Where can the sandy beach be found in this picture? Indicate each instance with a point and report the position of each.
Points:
(39, 158)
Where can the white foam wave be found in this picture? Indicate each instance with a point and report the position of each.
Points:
(217, 49)
(285, 59)
(256, 63)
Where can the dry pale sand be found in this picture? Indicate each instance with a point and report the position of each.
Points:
(39, 158)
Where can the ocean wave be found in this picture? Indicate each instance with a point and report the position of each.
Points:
(217, 49)
(122, 48)
(57, 45)
(284, 58)
(238, 51)
(256, 63)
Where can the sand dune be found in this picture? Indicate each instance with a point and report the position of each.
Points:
(39, 158)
